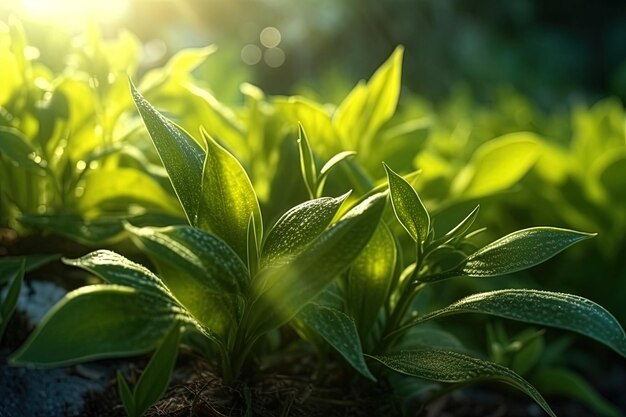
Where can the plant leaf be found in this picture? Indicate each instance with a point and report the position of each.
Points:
(156, 376)
(454, 367)
(328, 166)
(281, 292)
(339, 331)
(298, 227)
(18, 149)
(95, 322)
(228, 199)
(564, 311)
(182, 156)
(9, 303)
(9, 264)
(408, 207)
(520, 250)
(307, 162)
(370, 278)
(462, 228)
(126, 396)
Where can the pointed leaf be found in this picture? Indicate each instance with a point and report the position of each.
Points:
(156, 376)
(298, 227)
(370, 279)
(9, 264)
(182, 156)
(307, 162)
(253, 248)
(462, 228)
(564, 311)
(339, 331)
(328, 166)
(454, 367)
(281, 292)
(95, 322)
(520, 250)
(228, 199)
(126, 396)
(18, 149)
(7, 306)
(408, 207)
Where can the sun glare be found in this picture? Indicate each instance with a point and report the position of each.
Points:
(76, 12)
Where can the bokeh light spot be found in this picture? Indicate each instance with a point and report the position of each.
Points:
(274, 57)
(251, 54)
(270, 37)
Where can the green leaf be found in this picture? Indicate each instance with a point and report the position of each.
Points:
(156, 376)
(298, 227)
(408, 207)
(204, 274)
(228, 199)
(461, 229)
(95, 322)
(126, 396)
(253, 248)
(369, 106)
(281, 292)
(9, 264)
(564, 311)
(369, 281)
(18, 149)
(328, 166)
(497, 165)
(307, 162)
(115, 269)
(563, 382)
(339, 331)
(520, 250)
(10, 300)
(182, 156)
(115, 190)
(454, 367)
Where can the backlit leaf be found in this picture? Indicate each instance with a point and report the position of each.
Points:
(18, 149)
(307, 162)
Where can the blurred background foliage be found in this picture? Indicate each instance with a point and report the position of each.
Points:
(517, 106)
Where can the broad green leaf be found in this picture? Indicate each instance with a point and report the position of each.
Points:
(307, 162)
(564, 382)
(454, 367)
(228, 199)
(9, 264)
(408, 207)
(368, 106)
(564, 311)
(182, 156)
(115, 190)
(156, 376)
(95, 322)
(497, 165)
(8, 304)
(370, 277)
(298, 227)
(18, 149)
(339, 331)
(204, 274)
(520, 250)
(206, 257)
(281, 292)
(115, 269)
(328, 166)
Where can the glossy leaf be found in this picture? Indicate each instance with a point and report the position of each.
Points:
(328, 166)
(408, 207)
(520, 250)
(8, 304)
(339, 331)
(370, 277)
(462, 228)
(228, 199)
(182, 156)
(95, 322)
(454, 367)
(298, 227)
(564, 311)
(281, 292)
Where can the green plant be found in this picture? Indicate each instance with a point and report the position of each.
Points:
(225, 280)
